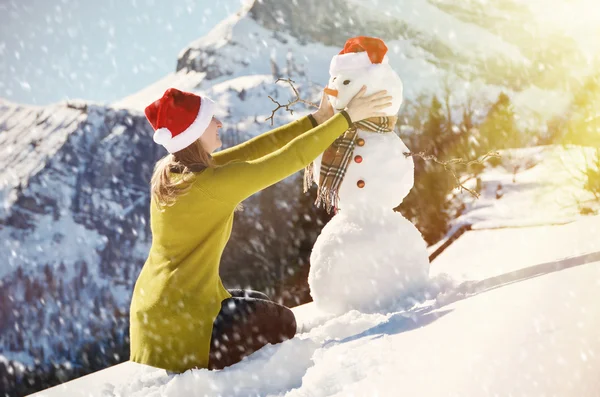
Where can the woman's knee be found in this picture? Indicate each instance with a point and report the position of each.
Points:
(289, 325)
(259, 295)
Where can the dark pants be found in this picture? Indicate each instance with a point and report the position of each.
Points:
(247, 321)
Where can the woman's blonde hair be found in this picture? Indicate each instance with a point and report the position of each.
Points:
(185, 162)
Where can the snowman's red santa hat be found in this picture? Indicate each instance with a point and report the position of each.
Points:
(179, 118)
(359, 53)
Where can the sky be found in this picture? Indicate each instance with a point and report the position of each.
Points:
(53, 50)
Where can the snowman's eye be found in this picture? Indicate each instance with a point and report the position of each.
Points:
(346, 82)
(333, 79)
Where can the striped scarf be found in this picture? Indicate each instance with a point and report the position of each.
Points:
(337, 157)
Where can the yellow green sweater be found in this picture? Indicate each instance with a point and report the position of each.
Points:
(178, 293)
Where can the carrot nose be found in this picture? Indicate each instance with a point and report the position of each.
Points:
(331, 92)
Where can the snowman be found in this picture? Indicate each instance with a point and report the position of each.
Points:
(367, 257)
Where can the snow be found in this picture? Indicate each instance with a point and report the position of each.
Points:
(78, 244)
(524, 339)
(182, 80)
(22, 360)
(528, 328)
(367, 260)
(528, 246)
(547, 188)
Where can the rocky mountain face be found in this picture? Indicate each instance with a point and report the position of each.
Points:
(74, 181)
(499, 43)
(74, 226)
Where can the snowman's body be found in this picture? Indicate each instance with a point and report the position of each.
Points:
(368, 261)
(369, 257)
(387, 174)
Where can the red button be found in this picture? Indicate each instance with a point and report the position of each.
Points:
(358, 158)
(360, 183)
(360, 142)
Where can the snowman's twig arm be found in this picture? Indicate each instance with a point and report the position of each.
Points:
(287, 106)
(459, 161)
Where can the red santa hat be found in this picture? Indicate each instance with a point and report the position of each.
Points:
(179, 118)
(359, 53)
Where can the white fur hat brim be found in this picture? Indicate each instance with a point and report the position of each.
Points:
(352, 61)
(195, 130)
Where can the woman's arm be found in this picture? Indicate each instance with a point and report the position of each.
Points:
(265, 143)
(237, 181)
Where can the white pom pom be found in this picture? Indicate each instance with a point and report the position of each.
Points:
(162, 136)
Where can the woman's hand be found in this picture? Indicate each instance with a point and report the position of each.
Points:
(325, 110)
(362, 107)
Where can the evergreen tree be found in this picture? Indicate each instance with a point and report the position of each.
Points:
(583, 125)
(499, 129)
(49, 278)
(19, 273)
(467, 121)
(434, 132)
(592, 176)
(555, 131)
(29, 291)
(427, 202)
(19, 342)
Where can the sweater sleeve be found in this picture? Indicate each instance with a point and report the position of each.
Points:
(265, 143)
(238, 180)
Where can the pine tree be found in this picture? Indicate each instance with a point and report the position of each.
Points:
(427, 203)
(499, 129)
(592, 176)
(29, 291)
(433, 130)
(583, 125)
(50, 281)
(467, 121)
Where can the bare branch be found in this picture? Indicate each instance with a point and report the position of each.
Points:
(456, 161)
(287, 106)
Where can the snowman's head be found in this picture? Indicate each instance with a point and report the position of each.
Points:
(363, 62)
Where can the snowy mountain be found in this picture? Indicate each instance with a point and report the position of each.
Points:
(74, 186)
(431, 45)
(74, 222)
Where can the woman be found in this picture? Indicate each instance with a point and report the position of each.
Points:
(181, 315)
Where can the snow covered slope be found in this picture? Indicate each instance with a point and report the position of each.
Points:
(524, 323)
(542, 185)
(530, 186)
